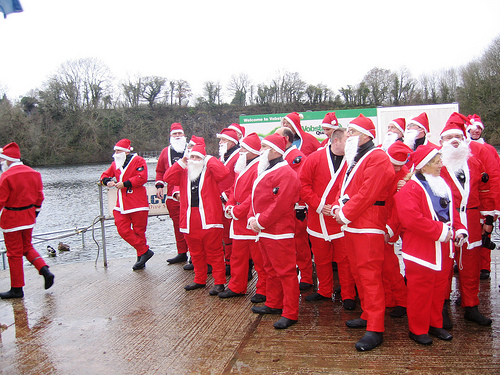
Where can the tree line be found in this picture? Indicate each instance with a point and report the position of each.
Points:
(79, 113)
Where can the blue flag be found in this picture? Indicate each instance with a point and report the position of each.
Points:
(10, 6)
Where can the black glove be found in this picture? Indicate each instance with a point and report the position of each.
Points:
(300, 214)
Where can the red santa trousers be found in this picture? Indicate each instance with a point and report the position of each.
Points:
(174, 209)
(485, 259)
(132, 228)
(366, 257)
(18, 244)
(228, 242)
(469, 262)
(394, 283)
(282, 284)
(303, 251)
(243, 250)
(426, 294)
(205, 246)
(325, 253)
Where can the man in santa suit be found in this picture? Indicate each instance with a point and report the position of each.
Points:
(21, 197)
(304, 141)
(426, 211)
(395, 132)
(417, 132)
(201, 214)
(320, 179)
(295, 159)
(240, 130)
(168, 157)
(128, 174)
(329, 125)
(365, 188)
(474, 130)
(272, 217)
(237, 208)
(228, 151)
(469, 184)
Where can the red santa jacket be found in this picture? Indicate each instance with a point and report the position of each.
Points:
(492, 168)
(21, 196)
(240, 201)
(164, 162)
(320, 185)
(475, 195)
(274, 193)
(134, 198)
(210, 206)
(295, 159)
(226, 185)
(364, 192)
(424, 234)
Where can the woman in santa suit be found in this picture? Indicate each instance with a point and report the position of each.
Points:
(430, 224)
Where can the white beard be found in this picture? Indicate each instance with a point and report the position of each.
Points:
(410, 137)
(455, 159)
(241, 163)
(389, 139)
(178, 144)
(5, 167)
(437, 184)
(195, 167)
(222, 149)
(263, 161)
(119, 159)
(351, 149)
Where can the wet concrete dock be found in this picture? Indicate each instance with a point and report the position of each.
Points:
(98, 320)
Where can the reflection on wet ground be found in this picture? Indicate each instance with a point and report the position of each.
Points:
(97, 320)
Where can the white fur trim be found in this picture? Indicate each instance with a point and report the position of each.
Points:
(273, 146)
(427, 159)
(361, 129)
(225, 136)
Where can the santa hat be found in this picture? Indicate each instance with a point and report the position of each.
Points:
(475, 120)
(252, 143)
(10, 152)
(294, 119)
(175, 127)
(228, 134)
(238, 128)
(199, 150)
(455, 125)
(422, 121)
(123, 145)
(399, 123)
(196, 141)
(422, 155)
(276, 142)
(364, 125)
(330, 121)
(399, 153)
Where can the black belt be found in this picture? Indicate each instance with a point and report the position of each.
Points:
(379, 203)
(467, 208)
(20, 208)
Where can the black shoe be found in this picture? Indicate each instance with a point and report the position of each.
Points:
(284, 323)
(338, 290)
(398, 312)
(188, 267)
(356, 323)
(48, 276)
(369, 341)
(421, 339)
(349, 304)
(447, 324)
(141, 263)
(179, 258)
(12, 293)
(194, 286)
(304, 286)
(473, 314)
(316, 297)
(262, 310)
(440, 333)
(217, 288)
(484, 275)
(228, 270)
(258, 298)
(228, 293)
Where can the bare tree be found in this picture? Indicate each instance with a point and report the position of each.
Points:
(182, 92)
(238, 87)
(153, 86)
(212, 92)
(378, 82)
(133, 91)
(403, 86)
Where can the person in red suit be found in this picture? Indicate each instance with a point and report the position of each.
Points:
(304, 141)
(295, 159)
(201, 214)
(21, 197)
(320, 179)
(128, 174)
(329, 125)
(237, 208)
(426, 211)
(240, 130)
(362, 197)
(416, 132)
(272, 217)
(395, 132)
(168, 157)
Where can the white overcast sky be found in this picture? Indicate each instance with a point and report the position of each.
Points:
(331, 42)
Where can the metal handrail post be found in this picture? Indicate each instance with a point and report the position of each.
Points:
(103, 231)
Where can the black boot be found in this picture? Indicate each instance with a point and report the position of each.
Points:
(369, 341)
(189, 266)
(12, 293)
(141, 263)
(217, 288)
(484, 275)
(284, 323)
(356, 323)
(48, 276)
(398, 312)
(473, 314)
(179, 258)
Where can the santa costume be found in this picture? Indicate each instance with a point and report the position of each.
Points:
(304, 141)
